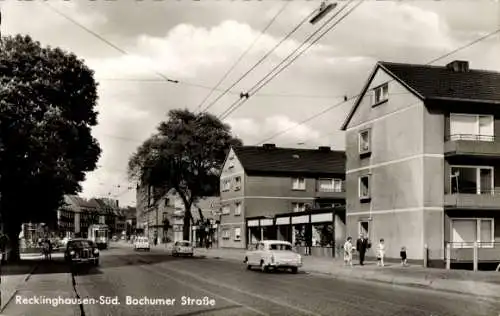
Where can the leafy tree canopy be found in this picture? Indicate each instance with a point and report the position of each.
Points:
(47, 101)
(186, 154)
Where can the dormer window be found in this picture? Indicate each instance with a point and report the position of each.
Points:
(381, 94)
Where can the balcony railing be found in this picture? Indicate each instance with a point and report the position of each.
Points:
(464, 251)
(471, 137)
(473, 198)
(332, 190)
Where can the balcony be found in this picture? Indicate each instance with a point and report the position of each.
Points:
(330, 191)
(473, 199)
(472, 145)
(464, 251)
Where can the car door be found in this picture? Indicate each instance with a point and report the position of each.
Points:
(256, 255)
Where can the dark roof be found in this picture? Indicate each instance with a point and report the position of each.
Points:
(433, 82)
(290, 160)
(439, 83)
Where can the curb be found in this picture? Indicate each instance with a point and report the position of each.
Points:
(9, 299)
(427, 284)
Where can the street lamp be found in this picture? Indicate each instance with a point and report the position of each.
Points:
(324, 9)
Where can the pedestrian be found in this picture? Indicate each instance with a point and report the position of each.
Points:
(362, 245)
(348, 248)
(381, 253)
(403, 256)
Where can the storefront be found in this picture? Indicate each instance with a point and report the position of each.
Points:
(318, 232)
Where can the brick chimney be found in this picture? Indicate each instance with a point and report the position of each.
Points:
(324, 148)
(269, 146)
(458, 66)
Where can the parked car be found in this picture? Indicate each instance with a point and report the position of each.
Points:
(183, 248)
(273, 254)
(142, 243)
(81, 251)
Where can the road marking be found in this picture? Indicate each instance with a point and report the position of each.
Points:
(283, 304)
(204, 290)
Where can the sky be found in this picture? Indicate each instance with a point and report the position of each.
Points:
(134, 45)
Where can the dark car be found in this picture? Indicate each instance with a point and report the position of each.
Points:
(81, 251)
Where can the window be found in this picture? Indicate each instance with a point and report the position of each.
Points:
(226, 185)
(231, 164)
(471, 180)
(225, 234)
(381, 94)
(226, 209)
(364, 187)
(237, 183)
(237, 209)
(298, 207)
(364, 141)
(471, 127)
(298, 184)
(237, 234)
(466, 231)
(364, 228)
(330, 185)
(164, 216)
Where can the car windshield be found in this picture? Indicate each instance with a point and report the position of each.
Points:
(79, 244)
(183, 244)
(280, 247)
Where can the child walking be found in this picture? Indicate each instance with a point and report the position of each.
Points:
(348, 248)
(381, 253)
(402, 254)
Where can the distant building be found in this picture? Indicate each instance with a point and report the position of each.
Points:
(164, 218)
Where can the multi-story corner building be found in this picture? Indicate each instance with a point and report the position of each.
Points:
(76, 215)
(275, 193)
(422, 145)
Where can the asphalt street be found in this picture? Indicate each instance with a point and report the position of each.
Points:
(227, 288)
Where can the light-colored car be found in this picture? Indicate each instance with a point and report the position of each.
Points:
(273, 254)
(182, 248)
(142, 243)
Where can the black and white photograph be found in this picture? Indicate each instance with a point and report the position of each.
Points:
(238, 157)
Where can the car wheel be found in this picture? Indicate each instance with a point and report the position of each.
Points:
(96, 262)
(249, 266)
(295, 270)
(263, 267)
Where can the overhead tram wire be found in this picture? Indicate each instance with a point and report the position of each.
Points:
(243, 55)
(460, 48)
(261, 60)
(234, 106)
(124, 52)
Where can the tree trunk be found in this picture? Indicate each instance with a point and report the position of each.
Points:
(187, 226)
(12, 231)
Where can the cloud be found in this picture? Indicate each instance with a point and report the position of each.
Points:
(253, 131)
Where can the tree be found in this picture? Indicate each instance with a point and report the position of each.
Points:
(47, 101)
(186, 154)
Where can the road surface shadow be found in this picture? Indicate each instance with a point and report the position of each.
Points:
(119, 260)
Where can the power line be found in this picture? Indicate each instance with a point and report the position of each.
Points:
(243, 55)
(233, 107)
(267, 95)
(482, 38)
(260, 60)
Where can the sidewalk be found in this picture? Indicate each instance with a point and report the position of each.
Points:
(481, 284)
(35, 278)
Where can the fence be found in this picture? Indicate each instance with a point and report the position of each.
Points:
(475, 252)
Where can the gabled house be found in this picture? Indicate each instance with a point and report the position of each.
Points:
(269, 192)
(423, 161)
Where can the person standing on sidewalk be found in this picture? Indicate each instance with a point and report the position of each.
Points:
(402, 254)
(362, 246)
(381, 253)
(348, 248)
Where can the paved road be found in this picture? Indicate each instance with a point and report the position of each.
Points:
(237, 291)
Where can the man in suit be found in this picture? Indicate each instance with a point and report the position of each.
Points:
(362, 246)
